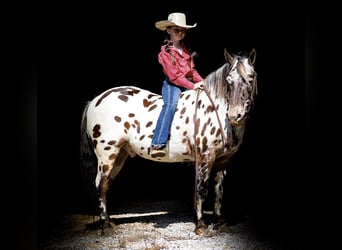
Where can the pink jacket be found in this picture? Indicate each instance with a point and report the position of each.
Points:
(178, 67)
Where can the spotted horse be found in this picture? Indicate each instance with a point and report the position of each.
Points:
(207, 130)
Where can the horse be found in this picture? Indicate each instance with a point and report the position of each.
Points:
(206, 131)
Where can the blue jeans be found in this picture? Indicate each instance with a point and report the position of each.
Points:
(170, 93)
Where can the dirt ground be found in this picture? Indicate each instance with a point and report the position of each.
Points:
(148, 226)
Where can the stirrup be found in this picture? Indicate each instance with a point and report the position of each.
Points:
(158, 151)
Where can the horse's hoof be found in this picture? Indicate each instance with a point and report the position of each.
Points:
(107, 228)
(107, 224)
(202, 231)
(220, 222)
(222, 226)
(201, 228)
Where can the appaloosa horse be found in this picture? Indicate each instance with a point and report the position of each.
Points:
(207, 129)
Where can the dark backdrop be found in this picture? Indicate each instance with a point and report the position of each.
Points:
(80, 51)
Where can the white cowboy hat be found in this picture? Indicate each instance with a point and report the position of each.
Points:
(174, 19)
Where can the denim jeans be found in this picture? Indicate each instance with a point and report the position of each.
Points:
(170, 93)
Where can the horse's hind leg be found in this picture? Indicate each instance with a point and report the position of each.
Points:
(108, 168)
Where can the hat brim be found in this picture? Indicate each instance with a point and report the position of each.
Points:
(162, 25)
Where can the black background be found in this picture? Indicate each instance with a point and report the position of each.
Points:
(71, 53)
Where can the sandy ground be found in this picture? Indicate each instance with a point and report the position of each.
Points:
(148, 226)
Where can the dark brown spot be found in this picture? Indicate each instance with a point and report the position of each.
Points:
(218, 132)
(112, 157)
(111, 142)
(149, 124)
(107, 148)
(204, 129)
(148, 103)
(187, 97)
(204, 144)
(183, 110)
(105, 168)
(177, 127)
(138, 125)
(209, 109)
(212, 130)
(103, 97)
(127, 125)
(131, 115)
(152, 108)
(117, 118)
(123, 98)
(150, 96)
(122, 90)
(142, 137)
(96, 131)
(187, 120)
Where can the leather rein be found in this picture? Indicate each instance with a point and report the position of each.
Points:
(224, 137)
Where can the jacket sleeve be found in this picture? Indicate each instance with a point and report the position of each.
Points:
(196, 77)
(172, 71)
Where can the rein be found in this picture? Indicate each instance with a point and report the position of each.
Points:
(203, 87)
(224, 137)
(225, 140)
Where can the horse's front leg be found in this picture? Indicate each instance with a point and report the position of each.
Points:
(201, 192)
(219, 220)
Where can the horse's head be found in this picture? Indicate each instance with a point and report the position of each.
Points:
(242, 85)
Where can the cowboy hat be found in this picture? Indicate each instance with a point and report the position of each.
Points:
(174, 19)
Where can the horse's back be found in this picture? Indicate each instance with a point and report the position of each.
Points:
(116, 105)
(123, 98)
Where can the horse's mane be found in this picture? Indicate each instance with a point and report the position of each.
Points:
(216, 82)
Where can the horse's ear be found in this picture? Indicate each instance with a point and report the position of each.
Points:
(252, 56)
(227, 56)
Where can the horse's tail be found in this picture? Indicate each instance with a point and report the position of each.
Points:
(88, 167)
